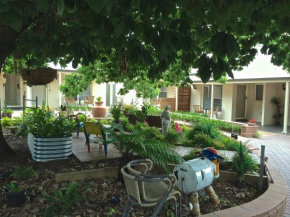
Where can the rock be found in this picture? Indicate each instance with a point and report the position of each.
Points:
(105, 185)
(119, 185)
(91, 211)
(55, 186)
(27, 207)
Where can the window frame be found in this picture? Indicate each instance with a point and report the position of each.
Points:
(255, 93)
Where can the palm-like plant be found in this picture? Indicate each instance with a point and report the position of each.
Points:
(243, 163)
(277, 102)
(139, 142)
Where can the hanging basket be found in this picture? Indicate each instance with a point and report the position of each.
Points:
(39, 76)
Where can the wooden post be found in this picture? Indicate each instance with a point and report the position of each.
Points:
(36, 102)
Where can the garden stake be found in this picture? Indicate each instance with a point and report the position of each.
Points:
(261, 168)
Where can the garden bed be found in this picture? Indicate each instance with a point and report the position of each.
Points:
(44, 183)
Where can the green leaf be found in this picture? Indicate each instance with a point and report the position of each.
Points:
(16, 22)
(60, 7)
(232, 45)
(42, 5)
(120, 29)
(96, 5)
(218, 70)
(228, 70)
(108, 5)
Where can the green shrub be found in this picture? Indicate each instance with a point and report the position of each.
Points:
(190, 134)
(154, 111)
(106, 122)
(6, 122)
(258, 134)
(62, 202)
(191, 155)
(171, 136)
(229, 143)
(16, 121)
(140, 125)
(152, 132)
(23, 173)
(208, 127)
(42, 125)
(242, 161)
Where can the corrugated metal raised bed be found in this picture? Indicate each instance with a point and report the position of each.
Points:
(46, 149)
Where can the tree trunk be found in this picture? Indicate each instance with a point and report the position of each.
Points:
(5, 149)
(8, 37)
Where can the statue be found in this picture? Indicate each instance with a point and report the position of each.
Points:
(165, 119)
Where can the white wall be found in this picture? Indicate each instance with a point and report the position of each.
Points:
(99, 90)
(53, 94)
(127, 99)
(254, 108)
(171, 92)
(196, 96)
(227, 102)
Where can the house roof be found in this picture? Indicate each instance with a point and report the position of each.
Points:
(261, 69)
(68, 68)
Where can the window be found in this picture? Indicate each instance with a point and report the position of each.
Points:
(163, 92)
(218, 89)
(259, 92)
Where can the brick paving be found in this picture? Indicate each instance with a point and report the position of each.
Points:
(277, 149)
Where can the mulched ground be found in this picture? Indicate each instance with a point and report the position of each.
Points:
(97, 197)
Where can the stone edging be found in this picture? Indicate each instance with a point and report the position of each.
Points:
(272, 203)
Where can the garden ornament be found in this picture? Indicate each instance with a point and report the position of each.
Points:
(165, 119)
(197, 175)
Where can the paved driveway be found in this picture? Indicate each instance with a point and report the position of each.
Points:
(278, 151)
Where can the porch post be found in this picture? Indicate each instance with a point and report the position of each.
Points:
(286, 109)
(59, 92)
(28, 95)
(176, 99)
(212, 101)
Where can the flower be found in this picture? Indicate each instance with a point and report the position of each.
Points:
(252, 121)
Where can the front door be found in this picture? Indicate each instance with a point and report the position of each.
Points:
(184, 98)
(241, 102)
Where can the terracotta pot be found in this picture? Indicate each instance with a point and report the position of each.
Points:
(99, 103)
(99, 111)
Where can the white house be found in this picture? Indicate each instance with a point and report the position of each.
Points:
(247, 96)
(13, 88)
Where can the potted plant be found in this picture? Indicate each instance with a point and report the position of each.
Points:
(116, 110)
(15, 195)
(49, 138)
(243, 163)
(277, 102)
(9, 113)
(63, 111)
(252, 122)
(99, 101)
(99, 110)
